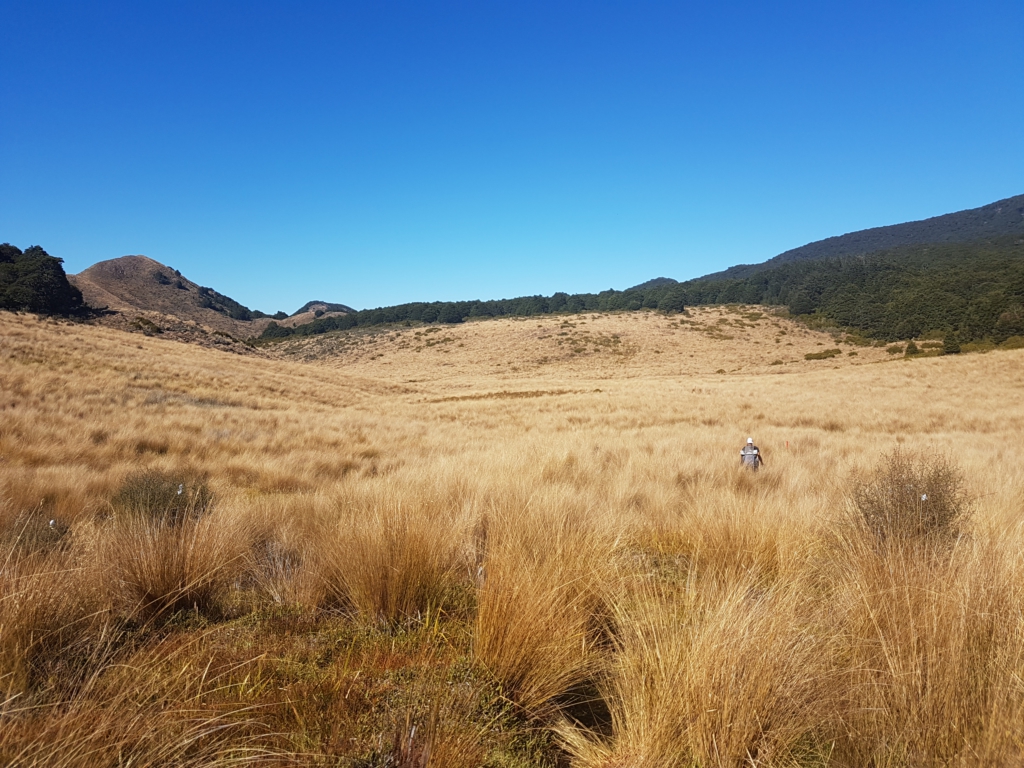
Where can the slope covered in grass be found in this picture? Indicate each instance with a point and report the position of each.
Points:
(392, 564)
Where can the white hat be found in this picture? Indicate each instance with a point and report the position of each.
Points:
(750, 441)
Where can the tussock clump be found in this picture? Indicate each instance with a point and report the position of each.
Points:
(53, 618)
(161, 568)
(930, 661)
(729, 676)
(35, 533)
(541, 604)
(149, 710)
(913, 498)
(281, 562)
(391, 554)
(167, 497)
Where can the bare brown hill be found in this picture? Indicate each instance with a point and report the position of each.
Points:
(145, 295)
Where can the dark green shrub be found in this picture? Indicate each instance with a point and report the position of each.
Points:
(673, 301)
(913, 497)
(823, 355)
(147, 326)
(168, 497)
(911, 350)
(951, 345)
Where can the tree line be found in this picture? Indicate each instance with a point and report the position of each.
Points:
(964, 291)
(665, 298)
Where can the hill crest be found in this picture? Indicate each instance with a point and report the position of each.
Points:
(141, 286)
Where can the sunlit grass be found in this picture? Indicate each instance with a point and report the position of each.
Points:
(414, 563)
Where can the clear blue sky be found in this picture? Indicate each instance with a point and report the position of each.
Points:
(379, 152)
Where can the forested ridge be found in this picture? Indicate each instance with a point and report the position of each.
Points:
(968, 291)
(1002, 218)
(972, 290)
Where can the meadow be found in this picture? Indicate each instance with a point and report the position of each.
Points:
(509, 543)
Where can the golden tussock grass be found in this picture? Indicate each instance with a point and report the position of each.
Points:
(511, 552)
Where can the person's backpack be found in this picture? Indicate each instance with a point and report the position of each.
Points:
(749, 455)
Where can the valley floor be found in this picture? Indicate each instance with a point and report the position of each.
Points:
(509, 543)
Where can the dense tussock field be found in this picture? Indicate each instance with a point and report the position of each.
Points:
(335, 556)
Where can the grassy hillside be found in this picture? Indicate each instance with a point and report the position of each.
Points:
(624, 345)
(425, 559)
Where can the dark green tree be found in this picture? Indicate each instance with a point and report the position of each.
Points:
(34, 281)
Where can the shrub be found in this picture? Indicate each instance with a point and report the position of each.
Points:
(913, 497)
(911, 350)
(147, 326)
(857, 340)
(823, 355)
(895, 349)
(169, 497)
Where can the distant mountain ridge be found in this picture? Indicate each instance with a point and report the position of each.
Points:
(998, 219)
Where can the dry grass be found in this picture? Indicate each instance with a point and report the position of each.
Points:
(511, 552)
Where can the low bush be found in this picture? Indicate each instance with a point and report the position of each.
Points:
(166, 497)
(913, 497)
(823, 355)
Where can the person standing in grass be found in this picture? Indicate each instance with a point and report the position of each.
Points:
(750, 455)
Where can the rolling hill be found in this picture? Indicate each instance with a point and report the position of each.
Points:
(143, 294)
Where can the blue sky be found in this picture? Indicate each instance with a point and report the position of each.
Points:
(381, 152)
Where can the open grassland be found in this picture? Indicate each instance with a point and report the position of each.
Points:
(476, 545)
(731, 339)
